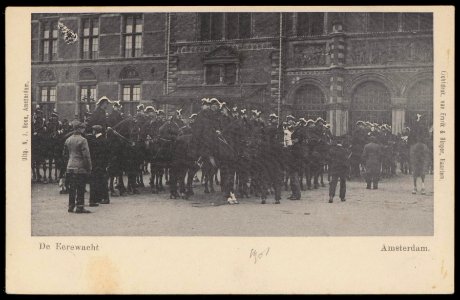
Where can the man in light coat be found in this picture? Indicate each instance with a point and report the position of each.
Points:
(79, 167)
(372, 159)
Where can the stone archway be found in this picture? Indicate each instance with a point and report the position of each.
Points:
(370, 101)
(308, 101)
(420, 101)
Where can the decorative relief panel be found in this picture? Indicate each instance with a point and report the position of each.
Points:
(390, 51)
(46, 75)
(208, 48)
(310, 55)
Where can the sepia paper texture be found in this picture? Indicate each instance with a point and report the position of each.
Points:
(210, 265)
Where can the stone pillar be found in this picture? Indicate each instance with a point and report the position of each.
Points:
(337, 113)
(274, 81)
(398, 114)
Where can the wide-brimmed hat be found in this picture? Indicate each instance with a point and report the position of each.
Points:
(193, 116)
(214, 101)
(320, 120)
(290, 117)
(140, 107)
(116, 103)
(273, 116)
(102, 100)
(149, 109)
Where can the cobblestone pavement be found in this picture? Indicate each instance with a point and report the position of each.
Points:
(390, 210)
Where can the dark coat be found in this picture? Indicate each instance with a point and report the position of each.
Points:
(98, 117)
(338, 161)
(99, 150)
(372, 158)
(114, 118)
(419, 158)
(204, 132)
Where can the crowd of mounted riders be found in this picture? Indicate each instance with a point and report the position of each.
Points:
(249, 153)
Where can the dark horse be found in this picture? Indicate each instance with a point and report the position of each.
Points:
(125, 155)
(187, 160)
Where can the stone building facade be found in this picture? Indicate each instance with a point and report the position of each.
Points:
(341, 66)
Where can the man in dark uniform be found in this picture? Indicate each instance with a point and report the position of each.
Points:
(204, 130)
(99, 117)
(243, 149)
(372, 159)
(230, 136)
(115, 116)
(358, 140)
(296, 158)
(272, 158)
(99, 192)
(338, 169)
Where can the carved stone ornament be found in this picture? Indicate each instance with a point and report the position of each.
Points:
(129, 73)
(47, 75)
(86, 74)
(310, 55)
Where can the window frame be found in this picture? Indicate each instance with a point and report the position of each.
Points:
(50, 42)
(132, 36)
(91, 37)
(309, 18)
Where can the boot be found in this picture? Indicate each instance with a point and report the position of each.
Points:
(331, 200)
(81, 210)
(414, 191)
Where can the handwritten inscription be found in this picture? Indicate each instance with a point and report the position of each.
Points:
(258, 255)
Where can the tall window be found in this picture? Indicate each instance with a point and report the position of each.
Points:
(48, 94)
(309, 24)
(90, 45)
(212, 26)
(133, 36)
(88, 93)
(221, 74)
(417, 22)
(238, 25)
(49, 40)
(131, 92)
(383, 22)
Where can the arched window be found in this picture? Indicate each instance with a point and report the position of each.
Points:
(309, 102)
(130, 89)
(371, 102)
(420, 101)
(47, 91)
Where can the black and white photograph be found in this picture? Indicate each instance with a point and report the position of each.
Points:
(230, 150)
(157, 123)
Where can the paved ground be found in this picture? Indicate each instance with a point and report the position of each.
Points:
(391, 210)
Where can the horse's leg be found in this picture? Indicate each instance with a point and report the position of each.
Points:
(321, 172)
(50, 169)
(206, 179)
(211, 180)
(315, 178)
(301, 175)
(162, 172)
(216, 177)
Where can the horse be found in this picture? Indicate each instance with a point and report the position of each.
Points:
(125, 156)
(38, 143)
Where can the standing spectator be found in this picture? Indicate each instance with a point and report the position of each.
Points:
(419, 158)
(99, 192)
(372, 159)
(338, 169)
(78, 167)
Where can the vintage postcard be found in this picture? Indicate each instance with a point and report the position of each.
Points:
(230, 150)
